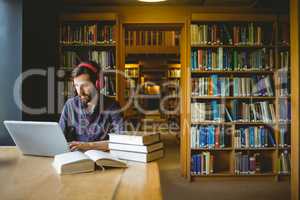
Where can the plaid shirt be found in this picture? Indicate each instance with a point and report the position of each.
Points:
(80, 125)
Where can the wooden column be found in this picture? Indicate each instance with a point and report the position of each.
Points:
(294, 33)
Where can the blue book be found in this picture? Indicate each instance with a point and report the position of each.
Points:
(195, 59)
(215, 110)
(193, 165)
(198, 164)
(209, 52)
(251, 133)
(212, 136)
(203, 137)
(214, 79)
(192, 60)
(234, 109)
(262, 137)
(219, 87)
(243, 138)
(222, 137)
(271, 139)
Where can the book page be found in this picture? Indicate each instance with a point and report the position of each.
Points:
(70, 157)
(97, 155)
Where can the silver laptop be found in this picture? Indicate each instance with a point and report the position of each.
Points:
(37, 138)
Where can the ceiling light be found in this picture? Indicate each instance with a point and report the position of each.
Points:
(152, 1)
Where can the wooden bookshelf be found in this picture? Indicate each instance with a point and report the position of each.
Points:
(227, 154)
(81, 37)
(154, 50)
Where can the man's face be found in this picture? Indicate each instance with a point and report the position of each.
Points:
(84, 87)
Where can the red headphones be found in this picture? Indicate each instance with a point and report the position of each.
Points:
(99, 83)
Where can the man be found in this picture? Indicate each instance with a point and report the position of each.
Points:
(89, 116)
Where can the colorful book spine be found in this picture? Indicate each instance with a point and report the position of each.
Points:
(209, 137)
(202, 164)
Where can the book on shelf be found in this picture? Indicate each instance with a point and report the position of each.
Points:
(151, 38)
(283, 79)
(284, 59)
(215, 85)
(254, 137)
(284, 136)
(109, 86)
(208, 59)
(105, 59)
(131, 72)
(284, 110)
(248, 164)
(67, 89)
(284, 162)
(78, 162)
(202, 164)
(210, 137)
(228, 34)
(214, 111)
(70, 59)
(87, 34)
(174, 73)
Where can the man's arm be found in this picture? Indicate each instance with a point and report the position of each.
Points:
(84, 146)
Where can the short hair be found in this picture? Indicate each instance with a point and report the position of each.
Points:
(77, 71)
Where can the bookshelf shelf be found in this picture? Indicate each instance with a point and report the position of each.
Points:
(232, 97)
(87, 45)
(257, 174)
(220, 174)
(232, 123)
(284, 148)
(256, 149)
(212, 149)
(231, 72)
(152, 50)
(232, 46)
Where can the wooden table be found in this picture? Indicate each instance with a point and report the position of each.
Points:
(31, 177)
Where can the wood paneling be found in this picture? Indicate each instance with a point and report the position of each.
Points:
(295, 47)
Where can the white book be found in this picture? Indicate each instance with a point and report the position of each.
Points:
(77, 162)
(139, 157)
(135, 137)
(136, 148)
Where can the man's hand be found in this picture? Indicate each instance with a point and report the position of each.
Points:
(76, 145)
(84, 146)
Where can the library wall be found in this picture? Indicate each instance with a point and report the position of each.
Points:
(39, 52)
(11, 61)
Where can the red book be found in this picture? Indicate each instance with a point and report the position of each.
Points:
(211, 84)
(200, 59)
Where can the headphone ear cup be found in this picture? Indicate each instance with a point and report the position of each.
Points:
(99, 84)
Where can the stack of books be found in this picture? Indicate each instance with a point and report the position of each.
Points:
(136, 146)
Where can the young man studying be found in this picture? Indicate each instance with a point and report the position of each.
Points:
(89, 116)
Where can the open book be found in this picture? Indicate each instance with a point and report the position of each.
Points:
(77, 162)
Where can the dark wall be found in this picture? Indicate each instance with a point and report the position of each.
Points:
(39, 53)
(10, 63)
